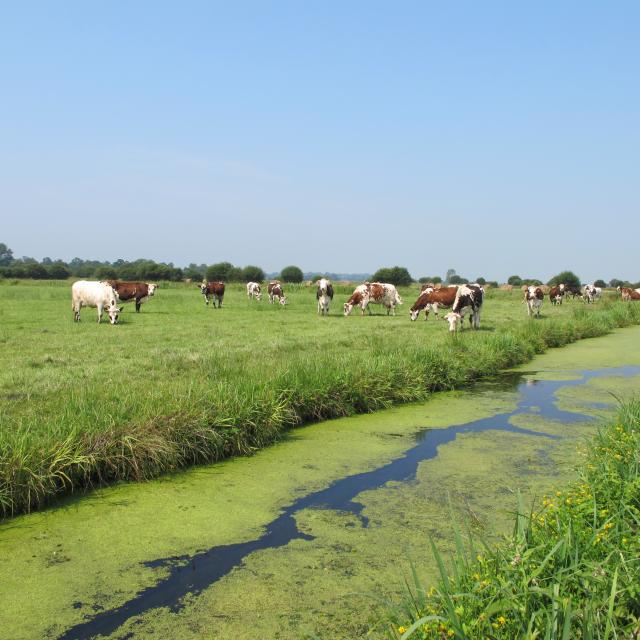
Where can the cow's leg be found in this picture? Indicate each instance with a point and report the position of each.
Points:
(99, 313)
(138, 304)
(434, 306)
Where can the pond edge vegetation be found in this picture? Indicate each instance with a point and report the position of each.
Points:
(249, 416)
(570, 569)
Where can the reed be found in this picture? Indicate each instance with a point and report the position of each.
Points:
(570, 569)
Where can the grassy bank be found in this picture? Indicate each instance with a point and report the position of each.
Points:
(570, 570)
(181, 384)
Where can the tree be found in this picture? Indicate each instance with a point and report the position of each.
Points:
(481, 281)
(195, 271)
(291, 274)
(6, 255)
(600, 283)
(252, 273)
(615, 282)
(105, 273)
(219, 272)
(567, 278)
(456, 279)
(516, 281)
(36, 271)
(393, 275)
(434, 279)
(58, 270)
(450, 274)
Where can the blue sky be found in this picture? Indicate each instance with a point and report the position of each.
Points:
(493, 138)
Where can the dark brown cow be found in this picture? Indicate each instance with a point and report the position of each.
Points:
(628, 293)
(431, 299)
(572, 291)
(556, 294)
(276, 293)
(138, 291)
(213, 289)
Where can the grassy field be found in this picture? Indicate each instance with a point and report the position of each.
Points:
(85, 404)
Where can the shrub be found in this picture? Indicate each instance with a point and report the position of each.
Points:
(291, 274)
(565, 277)
(393, 275)
(252, 273)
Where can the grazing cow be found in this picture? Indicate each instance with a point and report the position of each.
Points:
(254, 290)
(628, 293)
(98, 295)
(556, 294)
(573, 291)
(533, 297)
(215, 290)
(276, 293)
(138, 291)
(324, 295)
(430, 299)
(591, 293)
(373, 293)
(469, 300)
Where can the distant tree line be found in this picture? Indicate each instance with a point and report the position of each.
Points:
(48, 269)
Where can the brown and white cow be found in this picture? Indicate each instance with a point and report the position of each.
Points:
(373, 293)
(254, 290)
(430, 299)
(469, 300)
(133, 291)
(213, 290)
(276, 293)
(324, 295)
(556, 294)
(533, 297)
(628, 293)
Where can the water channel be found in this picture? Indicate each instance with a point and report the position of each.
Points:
(307, 538)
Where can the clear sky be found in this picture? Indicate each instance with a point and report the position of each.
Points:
(489, 137)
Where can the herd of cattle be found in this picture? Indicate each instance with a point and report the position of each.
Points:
(463, 300)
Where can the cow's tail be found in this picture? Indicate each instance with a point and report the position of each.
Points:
(398, 299)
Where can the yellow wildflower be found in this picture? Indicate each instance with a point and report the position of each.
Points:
(401, 629)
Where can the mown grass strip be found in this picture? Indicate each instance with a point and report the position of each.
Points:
(571, 568)
(250, 412)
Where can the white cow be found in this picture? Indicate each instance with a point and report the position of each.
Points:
(324, 295)
(591, 293)
(254, 290)
(98, 295)
(373, 293)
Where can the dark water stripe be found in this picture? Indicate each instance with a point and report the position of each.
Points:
(193, 574)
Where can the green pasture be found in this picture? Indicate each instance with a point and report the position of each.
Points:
(180, 383)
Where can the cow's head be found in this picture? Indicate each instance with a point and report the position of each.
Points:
(413, 314)
(283, 300)
(347, 308)
(203, 288)
(113, 312)
(454, 319)
(152, 288)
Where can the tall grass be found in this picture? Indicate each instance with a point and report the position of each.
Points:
(571, 568)
(178, 384)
